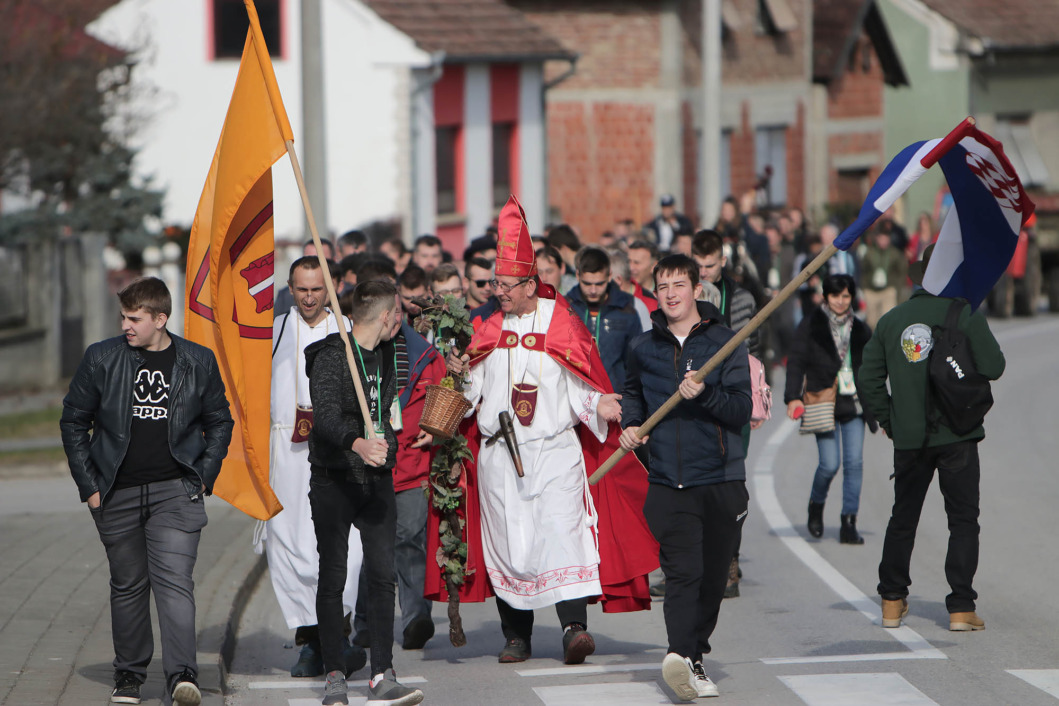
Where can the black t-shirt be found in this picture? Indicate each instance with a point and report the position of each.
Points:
(368, 361)
(148, 458)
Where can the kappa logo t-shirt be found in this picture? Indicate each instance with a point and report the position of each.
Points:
(148, 458)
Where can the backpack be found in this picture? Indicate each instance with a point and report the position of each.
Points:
(760, 392)
(955, 388)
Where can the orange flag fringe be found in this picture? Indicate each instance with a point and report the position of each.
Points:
(230, 270)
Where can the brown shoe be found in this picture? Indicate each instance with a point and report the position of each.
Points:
(965, 622)
(893, 612)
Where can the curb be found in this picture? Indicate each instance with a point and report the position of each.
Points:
(231, 629)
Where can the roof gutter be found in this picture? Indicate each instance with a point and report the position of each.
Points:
(570, 71)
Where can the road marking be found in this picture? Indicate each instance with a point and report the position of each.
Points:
(1047, 680)
(593, 669)
(630, 694)
(305, 684)
(887, 689)
(780, 524)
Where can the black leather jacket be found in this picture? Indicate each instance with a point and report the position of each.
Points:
(100, 401)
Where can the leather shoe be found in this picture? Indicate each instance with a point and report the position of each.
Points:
(516, 650)
(310, 661)
(965, 622)
(577, 644)
(418, 632)
(893, 612)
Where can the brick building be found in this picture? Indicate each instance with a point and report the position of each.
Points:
(802, 95)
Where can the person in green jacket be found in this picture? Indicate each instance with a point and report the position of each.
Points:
(899, 351)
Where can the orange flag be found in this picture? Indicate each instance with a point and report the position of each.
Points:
(230, 270)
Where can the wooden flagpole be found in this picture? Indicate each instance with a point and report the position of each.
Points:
(365, 411)
(718, 357)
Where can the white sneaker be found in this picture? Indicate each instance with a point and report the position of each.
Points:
(704, 686)
(679, 674)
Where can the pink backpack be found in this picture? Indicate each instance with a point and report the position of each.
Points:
(760, 392)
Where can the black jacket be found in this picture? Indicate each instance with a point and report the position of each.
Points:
(337, 421)
(620, 324)
(700, 441)
(100, 401)
(813, 363)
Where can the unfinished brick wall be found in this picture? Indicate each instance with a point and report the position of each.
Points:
(617, 40)
(600, 164)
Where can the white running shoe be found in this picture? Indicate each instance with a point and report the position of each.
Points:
(704, 686)
(679, 674)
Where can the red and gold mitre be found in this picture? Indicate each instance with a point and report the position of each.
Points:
(514, 249)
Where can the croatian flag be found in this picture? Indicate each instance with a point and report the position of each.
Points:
(981, 230)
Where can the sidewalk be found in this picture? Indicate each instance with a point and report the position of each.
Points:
(55, 639)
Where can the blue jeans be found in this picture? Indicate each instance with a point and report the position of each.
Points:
(851, 434)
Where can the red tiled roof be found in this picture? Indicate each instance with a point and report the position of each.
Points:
(470, 29)
(28, 26)
(1004, 24)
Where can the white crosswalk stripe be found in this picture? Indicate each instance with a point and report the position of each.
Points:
(885, 689)
(1047, 680)
(634, 694)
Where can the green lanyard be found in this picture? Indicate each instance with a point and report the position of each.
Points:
(378, 384)
(599, 317)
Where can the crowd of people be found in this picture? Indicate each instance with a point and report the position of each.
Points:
(579, 344)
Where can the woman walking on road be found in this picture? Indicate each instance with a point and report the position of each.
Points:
(824, 357)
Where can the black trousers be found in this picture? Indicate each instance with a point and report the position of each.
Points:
(516, 622)
(336, 504)
(958, 476)
(697, 530)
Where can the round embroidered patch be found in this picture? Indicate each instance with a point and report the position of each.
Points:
(916, 342)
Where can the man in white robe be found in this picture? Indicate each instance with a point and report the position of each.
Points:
(538, 532)
(289, 539)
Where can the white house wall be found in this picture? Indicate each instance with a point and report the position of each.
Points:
(363, 61)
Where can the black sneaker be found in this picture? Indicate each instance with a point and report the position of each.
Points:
(418, 632)
(386, 691)
(577, 643)
(658, 590)
(186, 692)
(335, 689)
(126, 689)
(516, 650)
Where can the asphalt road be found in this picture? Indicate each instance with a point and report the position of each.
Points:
(806, 627)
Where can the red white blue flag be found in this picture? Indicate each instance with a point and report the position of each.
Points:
(980, 231)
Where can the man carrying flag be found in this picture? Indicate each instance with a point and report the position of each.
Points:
(976, 243)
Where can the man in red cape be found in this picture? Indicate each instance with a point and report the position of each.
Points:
(547, 538)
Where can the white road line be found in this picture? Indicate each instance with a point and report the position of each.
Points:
(767, 500)
(1047, 680)
(887, 689)
(304, 684)
(594, 669)
(628, 694)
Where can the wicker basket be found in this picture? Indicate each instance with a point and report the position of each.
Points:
(442, 412)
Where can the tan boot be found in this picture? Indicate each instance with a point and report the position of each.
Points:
(965, 622)
(893, 611)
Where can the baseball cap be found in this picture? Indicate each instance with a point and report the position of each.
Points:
(667, 200)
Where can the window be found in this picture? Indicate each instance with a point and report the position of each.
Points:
(502, 136)
(851, 186)
(770, 164)
(1021, 149)
(230, 25)
(445, 165)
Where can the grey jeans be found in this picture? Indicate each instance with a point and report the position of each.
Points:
(151, 534)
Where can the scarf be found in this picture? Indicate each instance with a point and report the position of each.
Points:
(841, 329)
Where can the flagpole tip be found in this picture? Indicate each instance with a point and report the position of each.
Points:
(971, 121)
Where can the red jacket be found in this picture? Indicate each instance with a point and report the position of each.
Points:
(425, 367)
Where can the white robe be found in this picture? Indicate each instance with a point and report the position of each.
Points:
(289, 538)
(538, 532)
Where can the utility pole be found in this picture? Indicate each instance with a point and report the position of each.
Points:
(314, 137)
(710, 167)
